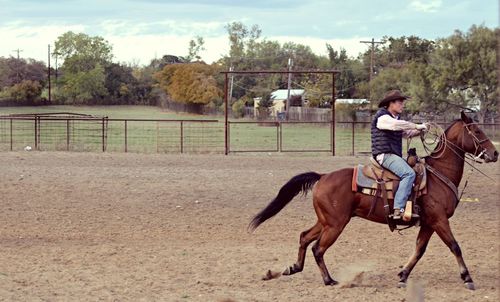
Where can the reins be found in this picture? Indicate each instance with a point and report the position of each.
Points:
(444, 143)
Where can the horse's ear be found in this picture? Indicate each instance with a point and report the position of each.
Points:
(465, 118)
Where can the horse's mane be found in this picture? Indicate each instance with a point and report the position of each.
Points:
(452, 124)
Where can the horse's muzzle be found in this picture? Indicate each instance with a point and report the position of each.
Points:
(490, 156)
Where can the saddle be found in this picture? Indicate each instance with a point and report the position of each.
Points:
(365, 179)
(381, 183)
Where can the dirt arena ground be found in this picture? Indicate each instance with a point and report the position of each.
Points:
(135, 227)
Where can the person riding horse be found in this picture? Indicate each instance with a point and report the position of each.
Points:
(387, 131)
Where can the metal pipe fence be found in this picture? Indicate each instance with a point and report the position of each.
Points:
(115, 135)
(189, 136)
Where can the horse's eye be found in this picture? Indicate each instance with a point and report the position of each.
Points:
(477, 132)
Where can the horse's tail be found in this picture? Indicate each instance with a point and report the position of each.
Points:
(299, 183)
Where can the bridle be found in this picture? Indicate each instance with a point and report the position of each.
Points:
(477, 143)
(445, 143)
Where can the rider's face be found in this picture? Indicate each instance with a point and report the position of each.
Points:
(396, 107)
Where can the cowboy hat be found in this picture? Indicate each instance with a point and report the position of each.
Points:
(392, 95)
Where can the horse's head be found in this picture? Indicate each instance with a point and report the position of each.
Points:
(473, 140)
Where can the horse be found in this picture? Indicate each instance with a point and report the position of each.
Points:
(335, 203)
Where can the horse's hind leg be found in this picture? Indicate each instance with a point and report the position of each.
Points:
(327, 237)
(306, 238)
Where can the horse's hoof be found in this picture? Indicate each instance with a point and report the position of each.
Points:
(470, 285)
(331, 282)
(401, 284)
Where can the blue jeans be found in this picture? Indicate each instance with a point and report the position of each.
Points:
(398, 166)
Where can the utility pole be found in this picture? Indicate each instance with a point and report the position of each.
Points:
(231, 84)
(372, 53)
(56, 54)
(18, 51)
(17, 63)
(48, 72)
(290, 65)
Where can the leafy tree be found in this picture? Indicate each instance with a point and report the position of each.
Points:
(82, 52)
(85, 60)
(14, 71)
(27, 92)
(158, 64)
(242, 38)
(144, 90)
(238, 108)
(85, 87)
(195, 47)
(464, 69)
(190, 83)
(265, 103)
(351, 71)
(120, 83)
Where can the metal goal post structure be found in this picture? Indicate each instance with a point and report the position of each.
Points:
(226, 100)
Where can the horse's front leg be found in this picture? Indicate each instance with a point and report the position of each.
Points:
(442, 228)
(423, 237)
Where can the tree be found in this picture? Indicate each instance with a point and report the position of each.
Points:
(14, 71)
(27, 92)
(190, 83)
(158, 64)
(85, 60)
(82, 52)
(195, 47)
(351, 71)
(463, 70)
(84, 88)
(241, 38)
(120, 83)
(265, 103)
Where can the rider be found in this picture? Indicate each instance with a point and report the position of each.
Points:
(387, 132)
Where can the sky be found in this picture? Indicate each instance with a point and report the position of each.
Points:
(142, 30)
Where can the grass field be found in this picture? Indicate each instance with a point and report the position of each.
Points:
(191, 136)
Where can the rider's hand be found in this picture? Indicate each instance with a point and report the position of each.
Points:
(422, 127)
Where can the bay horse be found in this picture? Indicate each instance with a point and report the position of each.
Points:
(335, 203)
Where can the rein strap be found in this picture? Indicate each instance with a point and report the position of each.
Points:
(444, 179)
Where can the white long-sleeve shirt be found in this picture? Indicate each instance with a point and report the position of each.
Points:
(387, 122)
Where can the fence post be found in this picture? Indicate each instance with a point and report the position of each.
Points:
(226, 116)
(36, 131)
(333, 115)
(182, 137)
(39, 131)
(125, 126)
(103, 143)
(11, 138)
(67, 135)
(352, 123)
(228, 137)
(281, 137)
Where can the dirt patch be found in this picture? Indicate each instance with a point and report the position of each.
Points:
(132, 227)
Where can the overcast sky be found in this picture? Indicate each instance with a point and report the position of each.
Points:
(141, 30)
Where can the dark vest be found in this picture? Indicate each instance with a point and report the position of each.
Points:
(386, 141)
